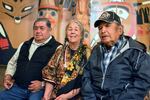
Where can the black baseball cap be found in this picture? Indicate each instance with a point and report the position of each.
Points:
(109, 17)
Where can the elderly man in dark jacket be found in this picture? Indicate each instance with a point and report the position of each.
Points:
(119, 67)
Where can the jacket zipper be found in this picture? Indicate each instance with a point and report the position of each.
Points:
(104, 74)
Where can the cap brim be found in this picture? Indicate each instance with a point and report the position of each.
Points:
(98, 22)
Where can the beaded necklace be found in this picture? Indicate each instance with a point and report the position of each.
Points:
(73, 67)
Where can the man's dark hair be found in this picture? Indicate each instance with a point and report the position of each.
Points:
(48, 23)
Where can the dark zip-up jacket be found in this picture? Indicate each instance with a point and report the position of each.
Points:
(127, 76)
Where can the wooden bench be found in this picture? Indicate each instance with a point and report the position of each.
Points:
(2, 71)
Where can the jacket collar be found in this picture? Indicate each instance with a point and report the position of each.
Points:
(133, 44)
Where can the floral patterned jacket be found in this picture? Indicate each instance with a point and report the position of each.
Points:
(65, 68)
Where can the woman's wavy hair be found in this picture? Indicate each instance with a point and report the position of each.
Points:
(74, 20)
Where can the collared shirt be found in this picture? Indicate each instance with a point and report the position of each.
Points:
(110, 54)
(35, 45)
(11, 66)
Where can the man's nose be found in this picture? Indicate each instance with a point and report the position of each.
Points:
(38, 29)
(103, 29)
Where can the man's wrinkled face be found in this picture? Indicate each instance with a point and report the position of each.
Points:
(41, 32)
(109, 33)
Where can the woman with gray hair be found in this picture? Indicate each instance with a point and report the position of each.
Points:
(64, 71)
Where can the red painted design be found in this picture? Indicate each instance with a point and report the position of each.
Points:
(4, 44)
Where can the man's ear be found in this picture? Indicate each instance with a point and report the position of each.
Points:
(121, 28)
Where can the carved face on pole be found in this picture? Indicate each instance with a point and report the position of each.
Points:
(16, 19)
(48, 9)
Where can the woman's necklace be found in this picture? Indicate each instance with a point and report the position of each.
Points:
(65, 58)
(68, 56)
(71, 64)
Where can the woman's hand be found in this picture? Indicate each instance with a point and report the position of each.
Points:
(68, 95)
(62, 97)
(46, 98)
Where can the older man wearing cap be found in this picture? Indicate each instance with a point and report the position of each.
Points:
(119, 67)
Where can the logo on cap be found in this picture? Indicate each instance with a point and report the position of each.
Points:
(105, 15)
